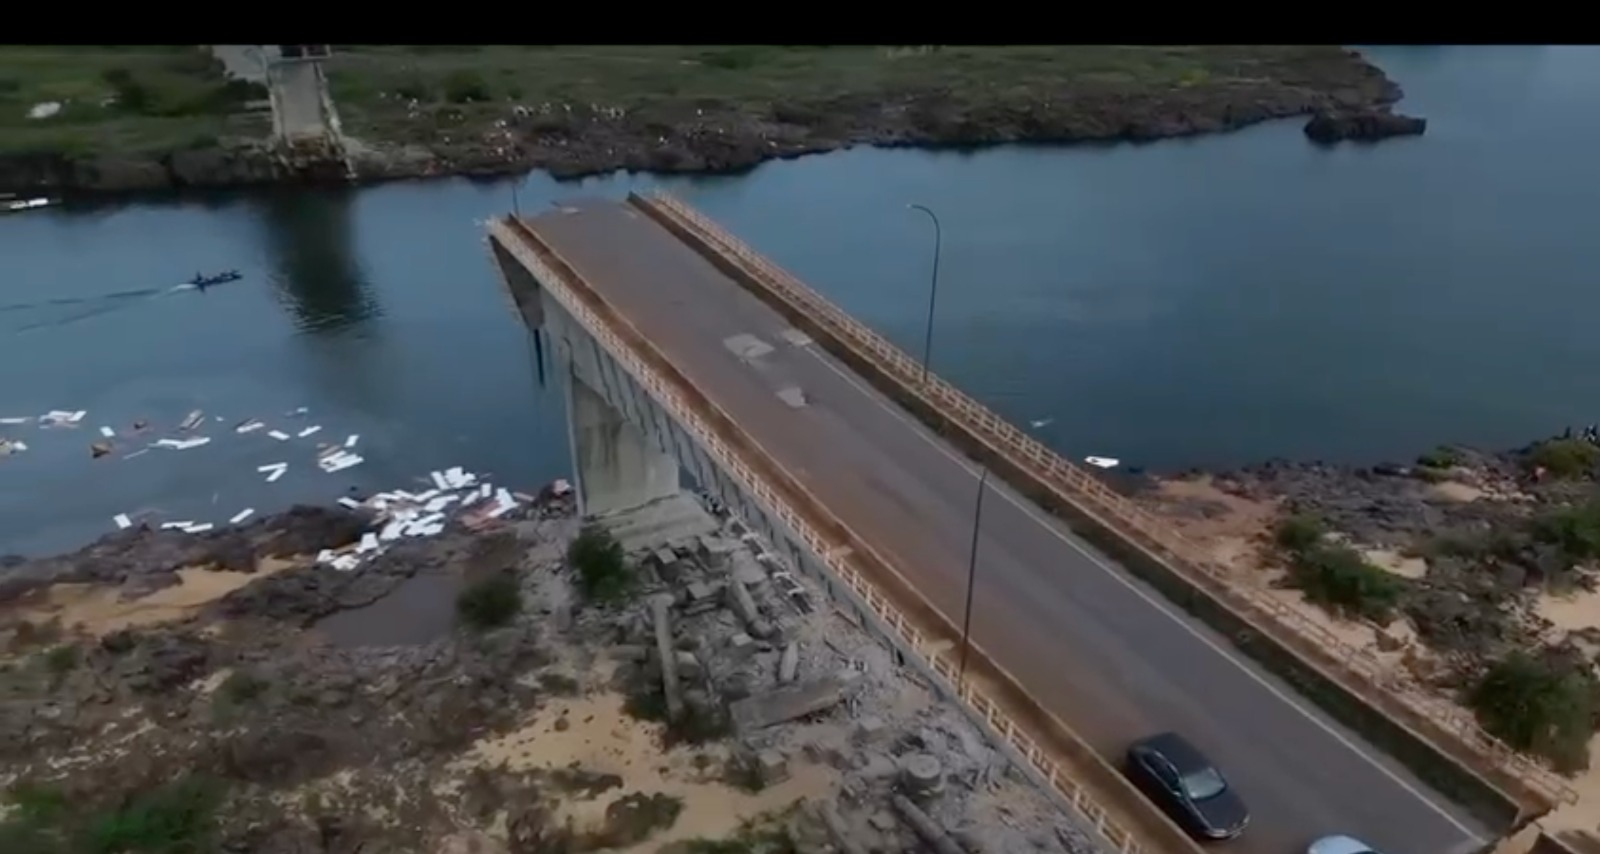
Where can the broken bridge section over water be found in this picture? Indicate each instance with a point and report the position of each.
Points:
(671, 360)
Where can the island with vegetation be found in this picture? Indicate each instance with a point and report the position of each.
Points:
(121, 118)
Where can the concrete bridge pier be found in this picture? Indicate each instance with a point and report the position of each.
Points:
(615, 469)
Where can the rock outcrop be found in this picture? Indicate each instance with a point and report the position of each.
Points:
(1328, 127)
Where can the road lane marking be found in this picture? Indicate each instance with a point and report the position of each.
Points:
(1165, 608)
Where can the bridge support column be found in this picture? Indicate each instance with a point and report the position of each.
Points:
(615, 468)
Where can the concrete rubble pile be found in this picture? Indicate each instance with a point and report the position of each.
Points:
(725, 631)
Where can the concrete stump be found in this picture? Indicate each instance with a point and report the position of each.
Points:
(921, 776)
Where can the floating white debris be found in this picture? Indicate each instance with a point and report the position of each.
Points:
(12, 446)
(279, 435)
(345, 563)
(192, 420)
(271, 466)
(457, 478)
(300, 411)
(369, 543)
(15, 420)
(122, 520)
(137, 453)
(271, 478)
(183, 444)
(241, 515)
(439, 481)
(352, 440)
(200, 528)
(107, 432)
(560, 486)
(350, 503)
(471, 498)
(339, 462)
(439, 503)
(1102, 462)
(175, 526)
(424, 496)
(249, 426)
(62, 418)
(310, 431)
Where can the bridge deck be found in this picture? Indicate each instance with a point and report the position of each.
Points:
(1089, 641)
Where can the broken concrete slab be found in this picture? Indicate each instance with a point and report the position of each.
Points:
(786, 704)
(789, 663)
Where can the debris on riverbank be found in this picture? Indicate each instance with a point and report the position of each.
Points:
(1471, 575)
(579, 110)
(649, 685)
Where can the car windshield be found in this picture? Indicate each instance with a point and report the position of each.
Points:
(1202, 785)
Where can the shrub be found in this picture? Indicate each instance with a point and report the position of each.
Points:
(603, 571)
(1564, 457)
(1544, 705)
(60, 660)
(1442, 457)
(1298, 533)
(465, 87)
(1574, 530)
(490, 603)
(1339, 578)
(177, 817)
(242, 686)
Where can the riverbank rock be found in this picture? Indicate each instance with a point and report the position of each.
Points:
(1328, 127)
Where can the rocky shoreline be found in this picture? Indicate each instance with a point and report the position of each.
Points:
(1472, 572)
(590, 689)
(583, 140)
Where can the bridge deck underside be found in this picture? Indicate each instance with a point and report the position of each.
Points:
(1088, 641)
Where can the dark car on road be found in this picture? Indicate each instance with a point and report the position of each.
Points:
(1179, 779)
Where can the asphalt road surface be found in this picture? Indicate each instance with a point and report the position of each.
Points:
(1099, 648)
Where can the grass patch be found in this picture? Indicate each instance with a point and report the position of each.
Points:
(603, 573)
(1442, 457)
(121, 100)
(60, 660)
(176, 818)
(1336, 576)
(379, 89)
(490, 603)
(1545, 705)
(1564, 458)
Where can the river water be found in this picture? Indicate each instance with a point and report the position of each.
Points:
(1204, 302)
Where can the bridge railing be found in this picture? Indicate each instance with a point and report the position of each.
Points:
(651, 370)
(1314, 642)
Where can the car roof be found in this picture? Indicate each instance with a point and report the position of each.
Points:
(1184, 756)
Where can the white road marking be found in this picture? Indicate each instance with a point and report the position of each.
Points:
(1038, 516)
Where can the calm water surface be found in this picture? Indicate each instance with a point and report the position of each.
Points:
(1202, 302)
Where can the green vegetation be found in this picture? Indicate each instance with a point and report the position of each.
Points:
(242, 687)
(1337, 576)
(1544, 705)
(604, 575)
(1565, 458)
(381, 90)
(1442, 457)
(763, 834)
(120, 99)
(177, 818)
(1575, 530)
(489, 603)
(60, 660)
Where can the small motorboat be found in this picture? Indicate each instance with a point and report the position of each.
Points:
(224, 277)
(15, 205)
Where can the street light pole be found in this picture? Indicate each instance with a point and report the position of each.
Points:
(972, 575)
(933, 290)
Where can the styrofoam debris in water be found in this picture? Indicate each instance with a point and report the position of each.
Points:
(249, 426)
(60, 417)
(310, 431)
(241, 515)
(279, 435)
(200, 528)
(351, 503)
(107, 432)
(174, 526)
(1102, 462)
(439, 483)
(439, 503)
(369, 543)
(122, 521)
(183, 444)
(15, 420)
(340, 462)
(351, 441)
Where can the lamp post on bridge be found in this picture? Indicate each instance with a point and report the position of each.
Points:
(972, 575)
(933, 289)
